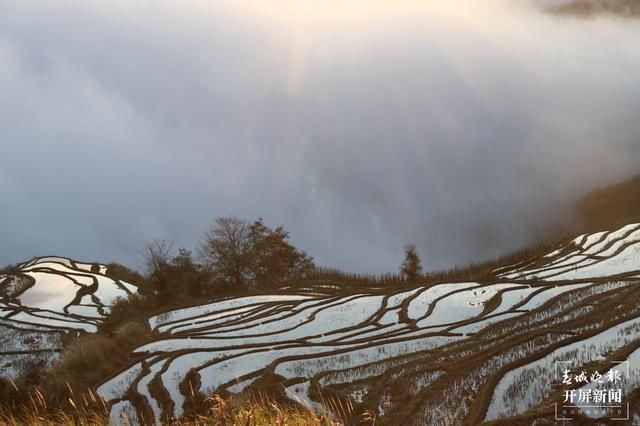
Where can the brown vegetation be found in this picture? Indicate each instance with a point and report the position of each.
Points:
(254, 411)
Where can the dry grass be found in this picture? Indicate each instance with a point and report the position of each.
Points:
(82, 410)
(223, 412)
(90, 411)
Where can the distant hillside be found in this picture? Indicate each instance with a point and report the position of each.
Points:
(419, 356)
(591, 8)
(612, 206)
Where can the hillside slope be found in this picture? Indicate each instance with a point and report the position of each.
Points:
(47, 300)
(612, 206)
(462, 349)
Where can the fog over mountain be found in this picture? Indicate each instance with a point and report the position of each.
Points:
(466, 128)
(593, 8)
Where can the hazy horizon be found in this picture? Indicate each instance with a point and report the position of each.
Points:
(466, 128)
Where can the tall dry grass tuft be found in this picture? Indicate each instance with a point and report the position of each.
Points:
(34, 410)
(368, 418)
(258, 410)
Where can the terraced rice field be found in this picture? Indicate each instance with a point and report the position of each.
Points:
(46, 298)
(467, 350)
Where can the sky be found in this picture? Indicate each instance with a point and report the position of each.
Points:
(468, 128)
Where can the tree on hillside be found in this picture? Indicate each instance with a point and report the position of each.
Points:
(276, 261)
(227, 251)
(411, 267)
(155, 255)
(156, 261)
(247, 254)
(171, 278)
(186, 275)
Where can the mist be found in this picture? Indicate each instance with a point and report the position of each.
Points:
(467, 128)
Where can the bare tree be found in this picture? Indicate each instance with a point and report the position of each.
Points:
(227, 250)
(155, 255)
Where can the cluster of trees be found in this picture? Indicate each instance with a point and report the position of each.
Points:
(252, 254)
(235, 256)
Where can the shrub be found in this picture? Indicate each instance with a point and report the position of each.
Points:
(136, 308)
(120, 272)
(91, 358)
